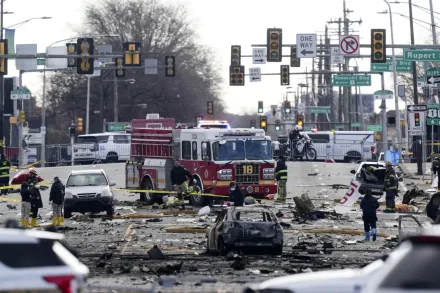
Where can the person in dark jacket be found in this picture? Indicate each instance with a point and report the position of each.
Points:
(281, 177)
(369, 205)
(391, 184)
(25, 204)
(5, 165)
(179, 179)
(236, 195)
(36, 202)
(57, 199)
(436, 170)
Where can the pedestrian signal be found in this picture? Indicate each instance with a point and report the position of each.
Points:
(132, 54)
(85, 47)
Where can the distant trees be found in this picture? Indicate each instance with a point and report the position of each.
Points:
(162, 30)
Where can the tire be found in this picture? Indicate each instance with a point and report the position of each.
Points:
(111, 211)
(352, 157)
(198, 200)
(312, 152)
(67, 213)
(112, 157)
(147, 197)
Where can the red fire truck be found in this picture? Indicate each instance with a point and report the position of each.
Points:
(214, 156)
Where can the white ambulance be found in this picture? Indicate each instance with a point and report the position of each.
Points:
(348, 146)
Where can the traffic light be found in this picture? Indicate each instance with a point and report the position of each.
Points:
(132, 54)
(260, 107)
(253, 124)
(79, 124)
(285, 74)
(274, 44)
(236, 75)
(22, 117)
(72, 131)
(294, 61)
(287, 108)
(235, 55)
(378, 46)
(263, 122)
(71, 50)
(210, 107)
(120, 71)
(170, 66)
(3, 61)
(85, 47)
(416, 119)
(300, 120)
(278, 125)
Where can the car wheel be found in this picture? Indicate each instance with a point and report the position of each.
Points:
(198, 200)
(111, 211)
(112, 157)
(67, 213)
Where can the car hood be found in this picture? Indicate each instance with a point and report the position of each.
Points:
(88, 189)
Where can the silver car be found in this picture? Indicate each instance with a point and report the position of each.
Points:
(88, 191)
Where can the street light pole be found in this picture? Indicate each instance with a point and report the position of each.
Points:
(396, 98)
(2, 88)
(88, 105)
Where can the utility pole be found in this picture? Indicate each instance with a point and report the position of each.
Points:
(328, 79)
(2, 89)
(321, 99)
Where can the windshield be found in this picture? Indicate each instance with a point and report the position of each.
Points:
(93, 139)
(87, 180)
(241, 150)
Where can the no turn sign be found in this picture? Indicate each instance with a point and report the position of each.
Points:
(349, 45)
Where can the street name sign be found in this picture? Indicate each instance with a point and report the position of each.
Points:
(417, 119)
(349, 45)
(21, 94)
(356, 124)
(421, 55)
(377, 127)
(352, 80)
(255, 74)
(259, 55)
(319, 110)
(336, 56)
(401, 66)
(306, 45)
(41, 61)
(379, 95)
(433, 121)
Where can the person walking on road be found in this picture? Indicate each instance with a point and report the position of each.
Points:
(179, 179)
(56, 199)
(391, 184)
(235, 194)
(25, 204)
(281, 177)
(36, 202)
(5, 165)
(369, 205)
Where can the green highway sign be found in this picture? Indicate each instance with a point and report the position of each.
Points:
(339, 125)
(421, 55)
(401, 66)
(356, 124)
(433, 121)
(319, 110)
(117, 126)
(377, 128)
(433, 106)
(433, 72)
(21, 94)
(352, 80)
(379, 95)
(41, 61)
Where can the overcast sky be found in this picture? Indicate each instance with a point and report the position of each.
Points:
(221, 24)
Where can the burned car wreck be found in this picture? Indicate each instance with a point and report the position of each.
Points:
(248, 229)
(371, 176)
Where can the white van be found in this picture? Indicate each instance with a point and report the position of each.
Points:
(110, 147)
(348, 146)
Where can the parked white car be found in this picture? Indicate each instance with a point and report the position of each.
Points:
(32, 261)
(331, 281)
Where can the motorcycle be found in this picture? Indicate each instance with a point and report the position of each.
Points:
(304, 148)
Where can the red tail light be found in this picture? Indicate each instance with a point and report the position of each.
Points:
(63, 282)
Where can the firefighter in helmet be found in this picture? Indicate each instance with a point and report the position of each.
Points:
(390, 188)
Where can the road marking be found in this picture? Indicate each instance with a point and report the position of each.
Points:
(128, 236)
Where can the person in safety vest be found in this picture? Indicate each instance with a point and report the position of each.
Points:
(281, 177)
(5, 165)
(179, 179)
(390, 188)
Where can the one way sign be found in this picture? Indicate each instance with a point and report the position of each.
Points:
(306, 45)
(433, 79)
(255, 74)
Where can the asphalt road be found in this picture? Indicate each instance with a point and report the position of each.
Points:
(130, 239)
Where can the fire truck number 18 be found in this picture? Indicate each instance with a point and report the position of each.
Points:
(247, 170)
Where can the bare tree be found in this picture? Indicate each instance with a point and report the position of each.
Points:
(162, 30)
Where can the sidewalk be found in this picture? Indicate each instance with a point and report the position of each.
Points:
(410, 171)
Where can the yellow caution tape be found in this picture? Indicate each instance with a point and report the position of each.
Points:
(9, 199)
